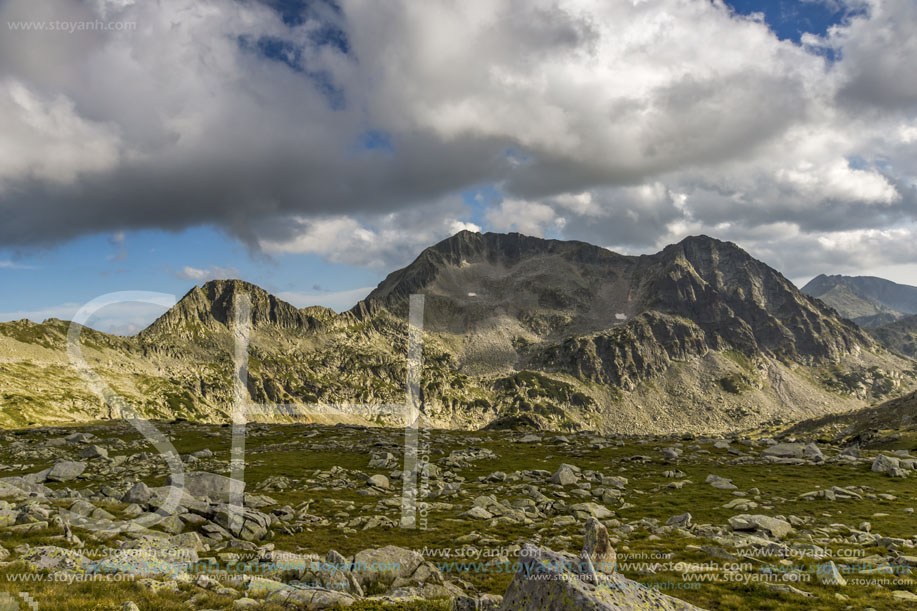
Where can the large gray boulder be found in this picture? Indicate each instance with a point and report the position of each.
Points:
(566, 475)
(785, 450)
(139, 493)
(889, 465)
(813, 452)
(549, 581)
(597, 547)
(776, 527)
(52, 558)
(93, 451)
(243, 523)
(381, 567)
(200, 484)
(66, 470)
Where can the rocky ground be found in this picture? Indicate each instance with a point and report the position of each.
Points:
(719, 523)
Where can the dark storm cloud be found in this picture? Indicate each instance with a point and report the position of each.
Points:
(285, 123)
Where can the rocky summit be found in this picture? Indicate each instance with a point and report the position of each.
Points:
(519, 332)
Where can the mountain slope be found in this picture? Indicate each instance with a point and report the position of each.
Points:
(899, 336)
(700, 336)
(521, 296)
(867, 300)
(880, 424)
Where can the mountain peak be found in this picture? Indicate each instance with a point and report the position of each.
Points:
(211, 305)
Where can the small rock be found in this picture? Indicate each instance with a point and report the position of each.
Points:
(378, 481)
(93, 451)
(139, 493)
(681, 521)
(828, 574)
(777, 528)
(565, 476)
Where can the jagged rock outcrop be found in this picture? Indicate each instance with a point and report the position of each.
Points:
(626, 355)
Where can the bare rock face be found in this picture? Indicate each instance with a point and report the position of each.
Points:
(549, 581)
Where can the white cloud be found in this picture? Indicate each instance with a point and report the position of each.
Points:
(531, 218)
(839, 182)
(214, 272)
(617, 122)
(46, 139)
(457, 226)
(377, 241)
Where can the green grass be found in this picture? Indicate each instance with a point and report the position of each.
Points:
(298, 451)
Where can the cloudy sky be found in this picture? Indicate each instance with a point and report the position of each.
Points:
(312, 146)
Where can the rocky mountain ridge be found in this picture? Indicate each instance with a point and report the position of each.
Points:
(866, 300)
(565, 335)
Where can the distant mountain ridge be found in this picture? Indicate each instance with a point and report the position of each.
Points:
(899, 336)
(866, 300)
(557, 334)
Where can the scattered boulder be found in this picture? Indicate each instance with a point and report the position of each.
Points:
(776, 527)
(66, 470)
(597, 548)
(378, 481)
(583, 511)
(242, 522)
(721, 482)
(785, 450)
(828, 574)
(139, 493)
(311, 599)
(200, 484)
(889, 465)
(382, 566)
(566, 475)
(93, 451)
(486, 602)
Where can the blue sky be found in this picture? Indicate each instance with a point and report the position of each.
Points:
(790, 19)
(311, 147)
(50, 282)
